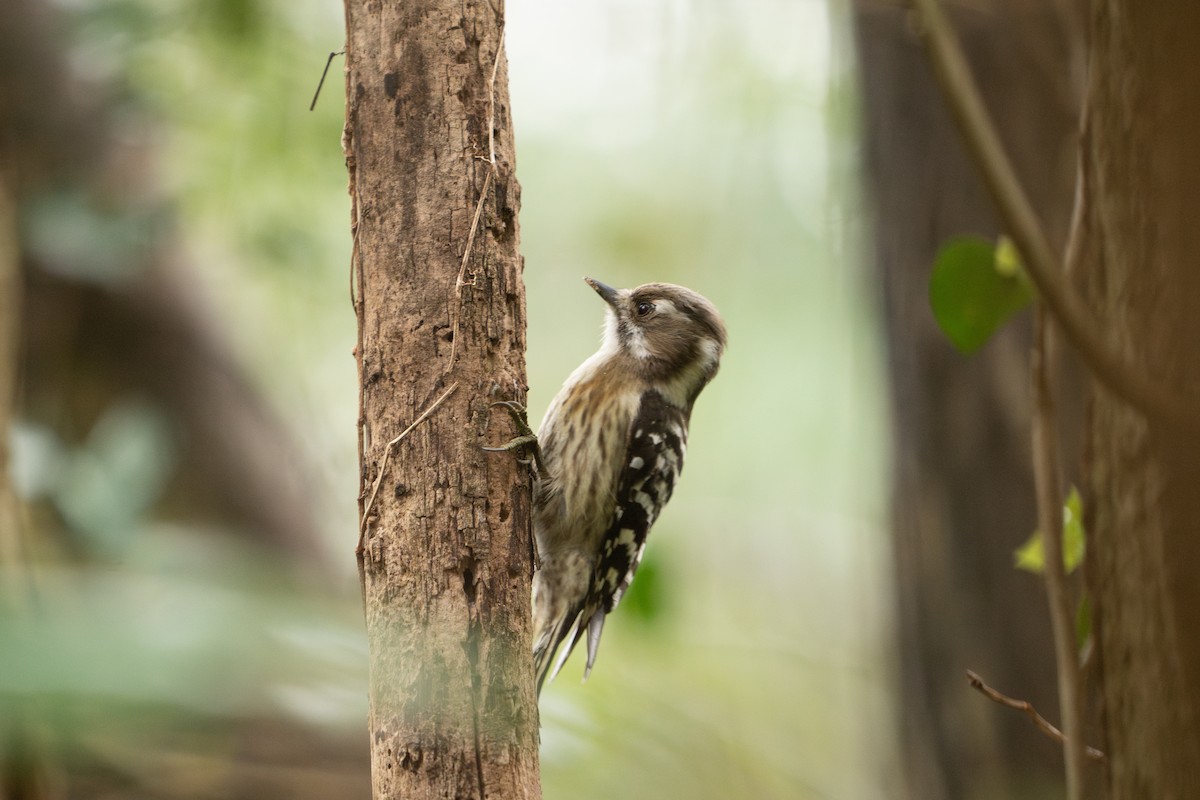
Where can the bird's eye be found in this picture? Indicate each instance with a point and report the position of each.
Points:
(644, 308)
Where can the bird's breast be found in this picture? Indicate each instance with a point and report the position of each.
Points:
(583, 440)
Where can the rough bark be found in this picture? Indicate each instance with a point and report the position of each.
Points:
(963, 491)
(1143, 175)
(447, 556)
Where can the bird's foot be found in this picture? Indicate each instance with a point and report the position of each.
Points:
(525, 440)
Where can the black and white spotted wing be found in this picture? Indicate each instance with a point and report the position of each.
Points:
(654, 459)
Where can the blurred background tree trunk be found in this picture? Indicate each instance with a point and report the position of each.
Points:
(104, 312)
(963, 496)
(23, 771)
(447, 555)
(1142, 172)
(98, 329)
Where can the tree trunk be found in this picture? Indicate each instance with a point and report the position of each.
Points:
(447, 550)
(963, 495)
(1143, 177)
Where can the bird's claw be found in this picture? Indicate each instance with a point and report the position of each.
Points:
(514, 444)
(520, 416)
(525, 437)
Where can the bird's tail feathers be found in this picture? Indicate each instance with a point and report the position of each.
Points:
(595, 628)
(546, 665)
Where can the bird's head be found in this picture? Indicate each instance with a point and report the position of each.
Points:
(672, 335)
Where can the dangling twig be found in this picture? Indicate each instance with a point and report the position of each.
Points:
(1027, 708)
(321, 82)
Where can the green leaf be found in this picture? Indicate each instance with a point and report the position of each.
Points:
(975, 288)
(1008, 258)
(1073, 538)
(1030, 556)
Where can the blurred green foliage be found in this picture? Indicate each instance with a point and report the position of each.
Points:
(705, 144)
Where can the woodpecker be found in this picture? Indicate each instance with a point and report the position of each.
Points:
(607, 456)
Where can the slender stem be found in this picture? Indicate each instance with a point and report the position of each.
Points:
(1050, 518)
(1123, 379)
(1026, 707)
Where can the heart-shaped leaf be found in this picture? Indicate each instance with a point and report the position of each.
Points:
(975, 288)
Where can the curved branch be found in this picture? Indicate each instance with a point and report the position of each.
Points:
(1153, 399)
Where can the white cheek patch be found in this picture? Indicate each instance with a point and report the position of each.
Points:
(710, 351)
(636, 343)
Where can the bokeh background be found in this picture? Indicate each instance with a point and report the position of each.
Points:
(181, 614)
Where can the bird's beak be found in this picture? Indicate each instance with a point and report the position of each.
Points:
(606, 292)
